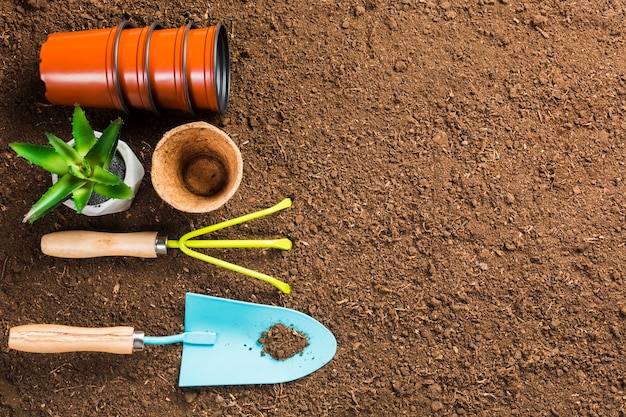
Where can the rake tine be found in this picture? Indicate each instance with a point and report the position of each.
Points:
(282, 286)
(286, 203)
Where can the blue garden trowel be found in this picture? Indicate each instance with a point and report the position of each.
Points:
(220, 344)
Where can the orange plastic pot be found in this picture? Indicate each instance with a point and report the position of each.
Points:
(166, 71)
(80, 67)
(133, 67)
(208, 68)
(143, 68)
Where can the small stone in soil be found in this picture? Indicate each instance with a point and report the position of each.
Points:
(282, 342)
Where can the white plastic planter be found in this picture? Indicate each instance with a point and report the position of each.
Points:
(133, 176)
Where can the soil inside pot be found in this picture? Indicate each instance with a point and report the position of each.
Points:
(205, 175)
(282, 342)
(117, 167)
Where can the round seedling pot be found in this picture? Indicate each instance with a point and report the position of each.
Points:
(196, 168)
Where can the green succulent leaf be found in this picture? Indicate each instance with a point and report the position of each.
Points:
(43, 156)
(84, 137)
(55, 195)
(120, 191)
(69, 154)
(105, 147)
(82, 195)
(104, 177)
(84, 171)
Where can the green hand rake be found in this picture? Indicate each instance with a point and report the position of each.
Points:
(88, 244)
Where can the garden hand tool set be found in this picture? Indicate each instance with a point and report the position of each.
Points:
(224, 341)
(220, 342)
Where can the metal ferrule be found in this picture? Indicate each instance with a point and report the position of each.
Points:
(138, 341)
(160, 245)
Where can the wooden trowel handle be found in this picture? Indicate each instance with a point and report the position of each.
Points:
(54, 338)
(85, 244)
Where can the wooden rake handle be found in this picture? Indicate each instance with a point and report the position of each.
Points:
(54, 338)
(86, 244)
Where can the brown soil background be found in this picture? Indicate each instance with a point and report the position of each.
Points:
(457, 170)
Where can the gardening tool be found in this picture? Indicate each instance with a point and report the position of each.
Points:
(220, 342)
(87, 244)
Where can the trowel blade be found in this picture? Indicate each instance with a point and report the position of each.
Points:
(236, 357)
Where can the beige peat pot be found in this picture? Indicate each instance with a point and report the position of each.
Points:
(196, 167)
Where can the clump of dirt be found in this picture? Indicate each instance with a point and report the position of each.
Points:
(282, 342)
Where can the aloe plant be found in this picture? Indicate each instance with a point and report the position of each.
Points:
(81, 168)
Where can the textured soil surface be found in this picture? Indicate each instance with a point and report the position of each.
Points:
(458, 176)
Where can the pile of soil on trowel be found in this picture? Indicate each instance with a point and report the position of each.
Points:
(282, 342)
